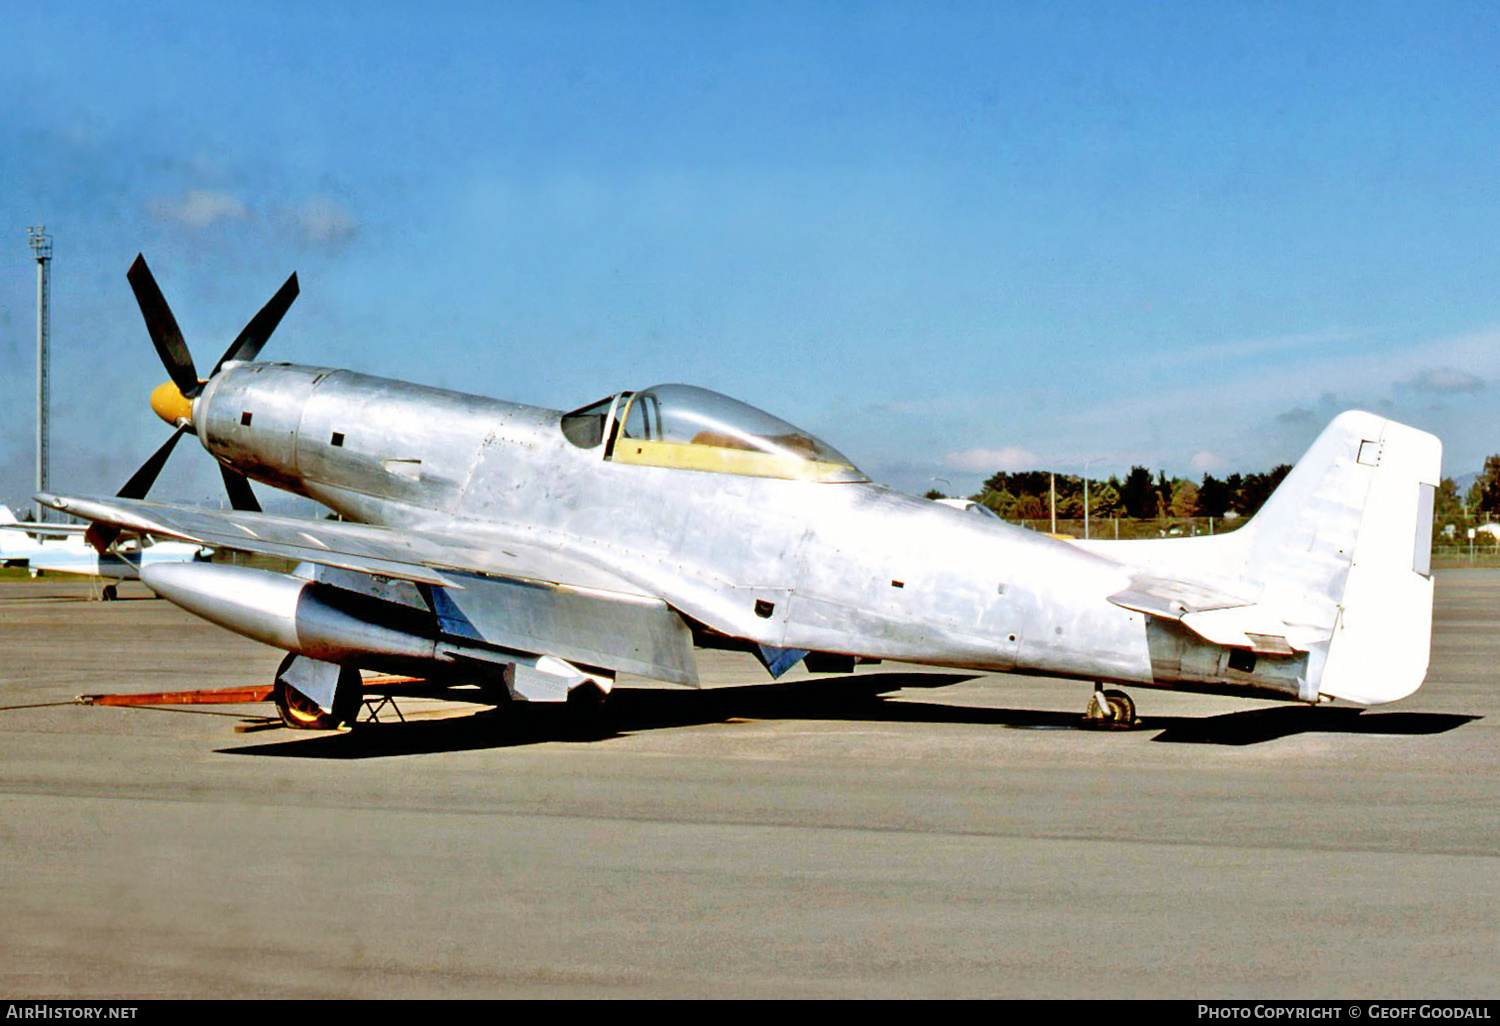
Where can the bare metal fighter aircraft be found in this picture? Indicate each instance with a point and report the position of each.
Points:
(489, 542)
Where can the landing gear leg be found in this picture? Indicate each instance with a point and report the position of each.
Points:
(1109, 710)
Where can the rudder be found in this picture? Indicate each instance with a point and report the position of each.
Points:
(1343, 548)
(1382, 641)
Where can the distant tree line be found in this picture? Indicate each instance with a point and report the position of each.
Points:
(1141, 495)
(1480, 503)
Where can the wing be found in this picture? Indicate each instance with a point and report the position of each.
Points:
(35, 529)
(507, 592)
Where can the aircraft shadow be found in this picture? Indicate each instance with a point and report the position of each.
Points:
(860, 699)
(633, 710)
(56, 600)
(1259, 725)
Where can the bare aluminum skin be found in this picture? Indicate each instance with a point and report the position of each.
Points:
(336, 625)
(613, 538)
(847, 567)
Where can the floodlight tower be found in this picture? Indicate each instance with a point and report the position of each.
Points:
(41, 247)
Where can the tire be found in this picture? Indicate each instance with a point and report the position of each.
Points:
(302, 713)
(588, 714)
(1121, 708)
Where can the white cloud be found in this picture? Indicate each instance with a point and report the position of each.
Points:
(319, 221)
(200, 208)
(1445, 379)
(1203, 461)
(1303, 343)
(987, 461)
(1228, 410)
(324, 221)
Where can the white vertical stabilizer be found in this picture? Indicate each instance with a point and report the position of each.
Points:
(1383, 634)
(1342, 552)
(1337, 563)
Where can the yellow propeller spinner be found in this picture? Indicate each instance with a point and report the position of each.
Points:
(170, 404)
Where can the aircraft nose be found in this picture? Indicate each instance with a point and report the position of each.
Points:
(170, 404)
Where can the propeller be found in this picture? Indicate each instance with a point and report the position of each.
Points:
(167, 337)
(173, 399)
(162, 327)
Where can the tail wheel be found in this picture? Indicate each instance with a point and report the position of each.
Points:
(1110, 710)
(1121, 709)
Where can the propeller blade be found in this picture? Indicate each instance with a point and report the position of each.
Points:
(255, 334)
(141, 481)
(238, 487)
(102, 536)
(162, 327)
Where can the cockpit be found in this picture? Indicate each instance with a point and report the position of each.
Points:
(690, 428)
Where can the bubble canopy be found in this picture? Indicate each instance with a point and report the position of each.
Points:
(691, 428)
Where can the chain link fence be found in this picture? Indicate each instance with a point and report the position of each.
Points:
(1128, 527)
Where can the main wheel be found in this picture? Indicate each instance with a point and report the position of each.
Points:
(302, 713)
(588, 713)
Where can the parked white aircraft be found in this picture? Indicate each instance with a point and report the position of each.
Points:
(494, 542)
(63, 548)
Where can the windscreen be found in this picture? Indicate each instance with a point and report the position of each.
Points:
(697, 429)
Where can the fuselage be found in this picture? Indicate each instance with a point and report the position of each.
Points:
(841, 566)
(113, 564)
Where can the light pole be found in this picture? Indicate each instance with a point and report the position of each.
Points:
(1086, 464)
(1052, 492)
(41, 246)
(1086, 497)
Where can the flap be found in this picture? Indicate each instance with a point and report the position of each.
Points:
(625, 633)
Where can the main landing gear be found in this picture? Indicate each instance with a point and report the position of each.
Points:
(1109, 710)
(342, 684)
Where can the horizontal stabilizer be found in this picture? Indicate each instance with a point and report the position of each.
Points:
(1336, 564)
(1252, 627)
(1172, 599)
(1216, 616)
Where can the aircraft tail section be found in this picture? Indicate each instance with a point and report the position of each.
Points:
(1342, 552)
(12, 541)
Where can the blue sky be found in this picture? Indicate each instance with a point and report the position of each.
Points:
(949, 238)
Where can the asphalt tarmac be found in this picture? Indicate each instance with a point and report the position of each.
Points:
(899, 833)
